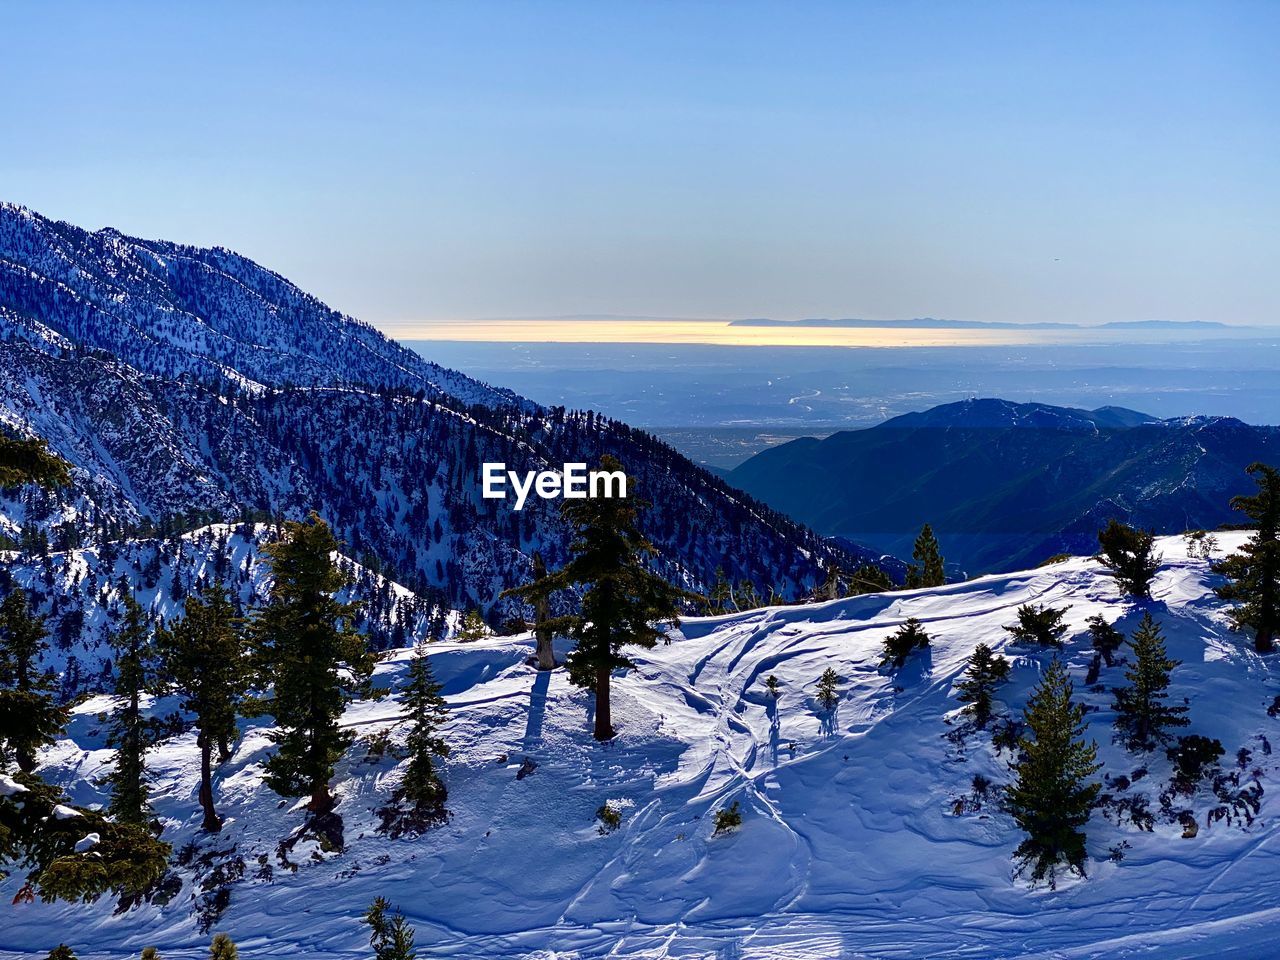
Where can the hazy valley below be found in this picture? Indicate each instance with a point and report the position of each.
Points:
(721, 404)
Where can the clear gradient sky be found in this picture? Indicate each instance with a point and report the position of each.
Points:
(440, 161)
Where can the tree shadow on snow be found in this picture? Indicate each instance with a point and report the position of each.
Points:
(537, 709)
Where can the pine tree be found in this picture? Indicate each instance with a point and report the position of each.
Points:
(61, 952)
(718, 599)
(129, 731)
(1052, 797)
(1042, 625)
(1142, 715)
(205, 657)
(929, 568)
(1253, 574)
(306, 647)
(30, 716)
(1106, 639)
(541, 616)
(986, 671)
(1127, 553)
(222, 947)
(868, 578)
(390, 936)
(472, 628)
(903, 642)
(426, 712)
(771, 685)
(831, 587)
(623, 601)
(828, 697)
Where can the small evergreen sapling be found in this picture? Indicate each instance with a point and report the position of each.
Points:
(928, 570)
(903, 642)
(986, 671)
(1105, 638)
(390, 935)
(771, 685)
(610, 818)
(1142, 715)
(222, 947)
(1052, 795)
(1041, 625)
(422, 790)
(1127, 553)
(1201, 544)
(728, 818)
(61, 952)
(472, 628)
(1253, 573)
(828, 697)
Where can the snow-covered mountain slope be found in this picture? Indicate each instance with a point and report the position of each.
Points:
(78, 593)
(180, 381)
(169, 309)
(862, 834)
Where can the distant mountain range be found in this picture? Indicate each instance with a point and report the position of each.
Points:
(932, 323)
(1006, 485)
(188, 385)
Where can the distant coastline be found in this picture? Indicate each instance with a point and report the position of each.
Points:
(932, 323)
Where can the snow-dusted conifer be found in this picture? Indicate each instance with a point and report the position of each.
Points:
(1142, 715)
(206, 660)
(308, 650)
(129, 731)
(1253, 573)
(928, 570)
(903, 642)
(1129, 554)
(1053, 795)
(30, 715)
(985, 672)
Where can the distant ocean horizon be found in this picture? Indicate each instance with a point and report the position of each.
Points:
(924, 332)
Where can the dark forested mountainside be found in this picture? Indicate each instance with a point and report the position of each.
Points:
(187, 382)
(1005, 485)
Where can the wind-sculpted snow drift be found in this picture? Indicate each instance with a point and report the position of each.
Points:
(862, 833)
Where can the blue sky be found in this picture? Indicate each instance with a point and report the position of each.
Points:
(1075, 161)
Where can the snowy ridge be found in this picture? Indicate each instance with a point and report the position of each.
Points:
(169, 308)
(866, 839)
(78, 592)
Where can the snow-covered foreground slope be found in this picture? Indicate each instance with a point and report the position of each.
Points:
(851, 843)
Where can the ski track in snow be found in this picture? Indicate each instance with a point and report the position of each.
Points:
(850, 846)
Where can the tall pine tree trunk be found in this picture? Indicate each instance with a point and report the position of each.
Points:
(604, 717)
(541, 613)
(546, 653)
(212, 822)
